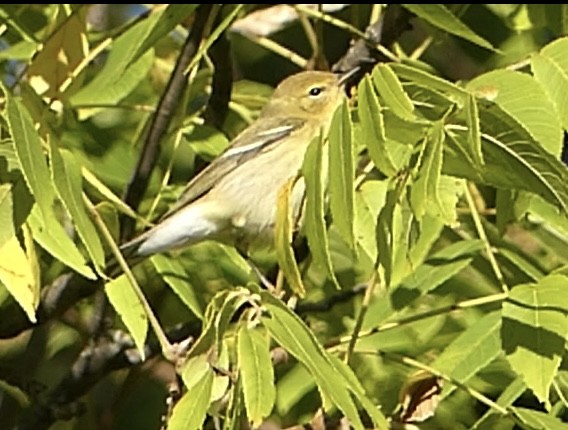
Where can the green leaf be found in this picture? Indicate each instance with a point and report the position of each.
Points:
(314, 224)
(534, 330)
(190, 411)
(357, 389)
(387, 233)
(427, 80)
(369, 198)
(119, 76)
(126, 303)
(373, 128)
(524, 99)
(51, 236)
(513, 159)
(432, 273)
(161, 24)
(341, 179)
(174, 274)
(293, 335)
(257, 374)
(425, 196)
(218, 315)
(511, 393)
(17, 275)
(283, 240)
(390, 89)
(29, 151)
(471, 351)
(474, 133)
(441, 17)
(550, 68)
(539, 420)
(68, 183)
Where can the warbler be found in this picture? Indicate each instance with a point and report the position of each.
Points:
(234, 198)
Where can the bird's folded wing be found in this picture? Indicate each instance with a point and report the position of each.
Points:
(259, 137)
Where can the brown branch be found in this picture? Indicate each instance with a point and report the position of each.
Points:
(222, 84)
(162, 117)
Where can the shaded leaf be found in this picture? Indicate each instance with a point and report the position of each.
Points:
(175, 275)
(471, 351)
(126, 303)
(68, 45)
(441, 17)
(164, 21)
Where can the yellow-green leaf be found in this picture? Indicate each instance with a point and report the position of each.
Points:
(373, 128)
(283, 240)
(127, 304)
(257, 374)
(17, 275)
(315, 226)
(342, 175)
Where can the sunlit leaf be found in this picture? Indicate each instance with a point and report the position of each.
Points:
(342, 175)
(190, 411)
(550, 68)
(124, 300)
(315, 226)
(17, 275)
(51, 236)
(257, 373)
(390, 89)
(283, 239)
(175, 275)
(373, 128)
(524, 99)
(290, 332)
(68, 183)
(534, 330)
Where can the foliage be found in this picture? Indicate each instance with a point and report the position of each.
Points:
(432, 292)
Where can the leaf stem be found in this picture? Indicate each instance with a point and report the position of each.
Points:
(483, 237)
(361, 317)
(167, 348)
(470, 303)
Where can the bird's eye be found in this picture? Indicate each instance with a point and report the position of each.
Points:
(315, 91)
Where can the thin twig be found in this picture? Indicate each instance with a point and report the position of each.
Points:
(361, 317)
(483, 237)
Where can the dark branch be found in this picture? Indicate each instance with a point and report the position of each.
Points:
(162, 117)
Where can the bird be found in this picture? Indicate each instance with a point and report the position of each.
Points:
(234, 199)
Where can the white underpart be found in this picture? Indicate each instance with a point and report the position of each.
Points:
(190, 225)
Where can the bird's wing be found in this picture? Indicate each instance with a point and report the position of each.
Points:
(259, 137)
